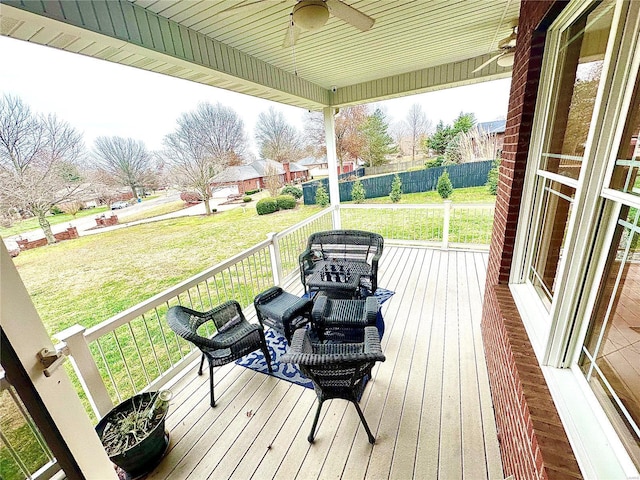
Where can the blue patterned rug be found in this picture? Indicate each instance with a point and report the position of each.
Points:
(277, 345)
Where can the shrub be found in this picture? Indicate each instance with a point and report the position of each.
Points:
(444, 187)
(251, 192)
(191, 197)
(434, 162)
(322, 197)
(358, 193)
(285, 202)
(396, 189)
(295, 192)
(56, 210)
(492, 178)
(266, 206)
(246, 199)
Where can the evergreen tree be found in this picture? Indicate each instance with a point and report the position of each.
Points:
(378, 142)
(492, 178)
(322, 197)
(444, 187)
(463, 123)
(396, 189)
(358, 193)
(440, 139)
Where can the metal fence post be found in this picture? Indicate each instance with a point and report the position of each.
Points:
(86, 369)
(445, 224)
(276, 262)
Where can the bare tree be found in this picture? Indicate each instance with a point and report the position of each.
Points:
(417, 127)
(126, 160)
(272, 180)
(398, 132)
(349, 138)
(38, 156)
(277, 140)
(206, 141)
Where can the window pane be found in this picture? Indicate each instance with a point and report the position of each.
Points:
(625, 175)
(579, 68)
(557, 200)
(611, 352)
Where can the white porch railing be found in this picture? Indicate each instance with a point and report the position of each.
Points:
(24, 452)
(136, 351)
(445, 225)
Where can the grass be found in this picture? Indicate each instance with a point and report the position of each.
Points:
(89, 279)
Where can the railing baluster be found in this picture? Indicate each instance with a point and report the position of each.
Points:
(29, 421)
(124, 360)
(135, 342)
(153, 348)
(109, 374)
(164, 337)
(16, 458)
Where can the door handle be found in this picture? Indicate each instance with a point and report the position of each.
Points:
(50, 359)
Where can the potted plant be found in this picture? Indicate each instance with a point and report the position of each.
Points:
(133, 432)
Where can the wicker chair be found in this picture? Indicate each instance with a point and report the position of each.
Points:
(235, 337)
(337, 370)
(358, 251)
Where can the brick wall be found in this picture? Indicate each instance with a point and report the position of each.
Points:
(68, 234)
(533, 442)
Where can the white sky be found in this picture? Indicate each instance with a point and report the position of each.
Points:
(103, 98)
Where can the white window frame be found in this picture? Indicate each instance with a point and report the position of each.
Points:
(556, 343)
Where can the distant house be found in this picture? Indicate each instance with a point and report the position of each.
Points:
(497, 128)
(320, 166)
(252, 176)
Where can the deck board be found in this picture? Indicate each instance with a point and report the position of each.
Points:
(428, 404)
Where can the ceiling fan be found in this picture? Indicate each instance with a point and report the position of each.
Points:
(507, 49)
(308, 15)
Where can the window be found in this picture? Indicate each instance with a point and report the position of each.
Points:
(610, 358)
(576, 275)
(580, 58)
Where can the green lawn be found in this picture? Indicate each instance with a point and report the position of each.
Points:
(89, 279)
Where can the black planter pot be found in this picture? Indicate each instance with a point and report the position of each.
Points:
(145, 455)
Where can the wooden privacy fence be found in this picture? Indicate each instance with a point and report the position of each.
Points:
(472, 174)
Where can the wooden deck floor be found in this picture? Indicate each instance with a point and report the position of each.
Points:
(428, 405)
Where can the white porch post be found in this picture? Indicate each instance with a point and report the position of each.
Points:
(86, 369)
(332, 160)
(274, 252)
(23, 328)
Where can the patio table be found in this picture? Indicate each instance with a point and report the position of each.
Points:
(337, 277)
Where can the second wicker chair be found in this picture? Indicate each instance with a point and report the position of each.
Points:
(234, 338)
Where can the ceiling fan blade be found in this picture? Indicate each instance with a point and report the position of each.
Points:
(350, 15)
(492, 59)
(291, 36)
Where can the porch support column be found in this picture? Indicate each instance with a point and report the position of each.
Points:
(332, 160)
(27, 336)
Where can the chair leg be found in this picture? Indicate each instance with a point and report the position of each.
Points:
(372, 439)
(213, 398)
(315, 422)
(201, 363)
(265, 352)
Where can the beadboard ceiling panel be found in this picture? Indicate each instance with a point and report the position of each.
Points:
(413, 46)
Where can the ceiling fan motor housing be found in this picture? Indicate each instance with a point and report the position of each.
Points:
(310, 14)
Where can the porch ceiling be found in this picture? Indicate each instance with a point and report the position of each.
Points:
(414, 46)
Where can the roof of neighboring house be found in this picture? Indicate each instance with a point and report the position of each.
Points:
(312, 161)
(253, 170)
(496, 126)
